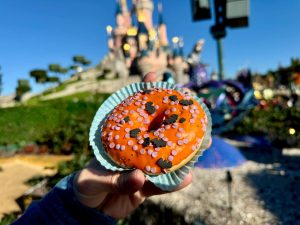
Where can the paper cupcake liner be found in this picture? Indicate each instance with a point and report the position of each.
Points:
(167, 181)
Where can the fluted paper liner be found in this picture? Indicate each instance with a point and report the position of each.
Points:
(167, 181)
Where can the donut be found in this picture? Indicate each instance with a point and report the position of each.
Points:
(155, 130)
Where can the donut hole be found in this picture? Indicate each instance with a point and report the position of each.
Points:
(156, 122)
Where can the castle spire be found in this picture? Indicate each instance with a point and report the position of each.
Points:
(118, 8)
(160, 14)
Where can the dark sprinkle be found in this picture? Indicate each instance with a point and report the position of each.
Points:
(150, 108)
(181, 120)
(171, 119)
(146, 142)
(133, 133)
(173, 98)
(186, 102)
(164, 164)
(147, 91)
(126, 119)
(158, 143)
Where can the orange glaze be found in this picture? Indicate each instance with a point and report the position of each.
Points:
(182, 139)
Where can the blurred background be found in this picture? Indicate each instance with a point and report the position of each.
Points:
(60, 60)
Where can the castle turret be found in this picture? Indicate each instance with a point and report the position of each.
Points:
(162, 28)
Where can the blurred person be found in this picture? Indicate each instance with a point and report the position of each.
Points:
(94, 195)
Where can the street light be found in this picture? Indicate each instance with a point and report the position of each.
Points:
(228, 13)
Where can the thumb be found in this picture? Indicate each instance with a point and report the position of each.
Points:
(127, 183)
(150, 77)
(94, 181)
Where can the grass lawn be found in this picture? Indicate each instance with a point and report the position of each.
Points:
(28, 123)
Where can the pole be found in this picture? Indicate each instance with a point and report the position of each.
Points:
(220, 58)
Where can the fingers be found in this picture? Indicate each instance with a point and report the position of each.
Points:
(92, 181)
(150, 189)
(150, 77)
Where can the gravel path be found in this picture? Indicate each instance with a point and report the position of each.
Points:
(261, 194)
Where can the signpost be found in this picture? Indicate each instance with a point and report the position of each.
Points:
(228, 13)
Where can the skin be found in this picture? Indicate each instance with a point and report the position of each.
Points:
(116, 194)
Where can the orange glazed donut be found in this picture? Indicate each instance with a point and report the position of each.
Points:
(155, 130)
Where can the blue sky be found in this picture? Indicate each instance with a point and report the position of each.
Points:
(35, 33)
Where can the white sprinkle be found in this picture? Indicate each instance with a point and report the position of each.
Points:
(180, 129)
(156, 133)
(145, 98)
(109, 138)
(178, 135)
(154, 154)
(139, 137)
(169, 143)
(170, 158)
(192, 120)
(142, 151)
(118, 146)
(123, 147)
(140, 142)
(157, 149)
(174, 152)
(131, 111)
(127, 135)
(185, 141)
(130, 142)
(156, 107)
(150, 152)
(167, 112)
(153, 170)
(165, 138)
(140, 119)
(180, 142)
(165, 101)
(199, 140)
(173, 109)
(148, 168)
(167, 127)
(127, 129)
(161, 135)
(185, 107)
(117, 137)
(172, 103)
(130, 123)
(193, 148)
(112, 145)
(146, 121)
(192, 111)
(135, 147)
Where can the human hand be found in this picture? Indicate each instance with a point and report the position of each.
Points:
(116, 194)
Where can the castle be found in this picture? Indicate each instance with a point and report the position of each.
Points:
(137, 45)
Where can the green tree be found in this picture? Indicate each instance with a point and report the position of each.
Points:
(22, 88)
(57, 69)
(81, 60)
(39, 75)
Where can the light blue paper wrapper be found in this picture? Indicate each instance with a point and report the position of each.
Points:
(166, 182)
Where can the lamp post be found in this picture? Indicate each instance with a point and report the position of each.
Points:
(228, 13)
